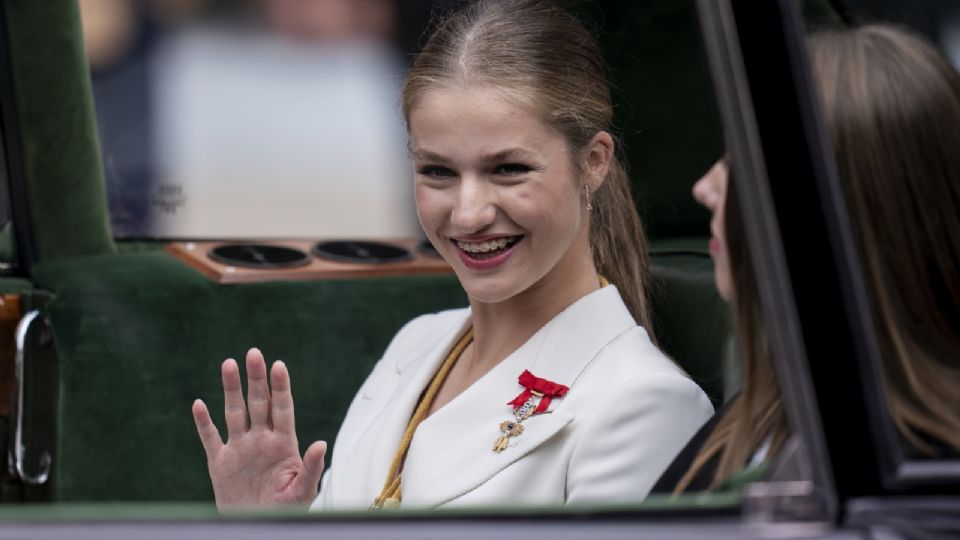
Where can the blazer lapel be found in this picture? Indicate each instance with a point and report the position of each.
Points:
(372, 450)
(452, 451)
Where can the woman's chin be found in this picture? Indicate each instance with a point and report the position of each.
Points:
(490, 291)
(724, 285)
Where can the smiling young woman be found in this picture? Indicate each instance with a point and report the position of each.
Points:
(519, 188)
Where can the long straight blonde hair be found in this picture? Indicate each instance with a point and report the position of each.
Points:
(892, 104)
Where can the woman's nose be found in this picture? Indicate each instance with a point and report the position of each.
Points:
(703, 193)
(705, 190)
(475, 208)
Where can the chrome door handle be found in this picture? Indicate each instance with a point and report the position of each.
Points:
(19, 449)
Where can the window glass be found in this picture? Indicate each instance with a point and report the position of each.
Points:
(938, 21)
(889, 94)
(8, 257)
(252, 119)
(9, 142)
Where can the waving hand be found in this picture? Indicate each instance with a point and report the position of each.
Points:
(260, 463)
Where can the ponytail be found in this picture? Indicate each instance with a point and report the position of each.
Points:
(618, 243)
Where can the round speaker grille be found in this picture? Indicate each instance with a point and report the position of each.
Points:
(258, 256)
(361, 252)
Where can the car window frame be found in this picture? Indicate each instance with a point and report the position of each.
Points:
(13, 192)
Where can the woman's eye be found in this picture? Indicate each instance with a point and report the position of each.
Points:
(434, 171)
(512, 169)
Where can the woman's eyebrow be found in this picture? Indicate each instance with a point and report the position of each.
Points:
(427, 155)
(510, 153)
(500, 155)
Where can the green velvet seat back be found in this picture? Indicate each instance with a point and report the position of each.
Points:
(54, 116)
(692, 322)
(14, 285)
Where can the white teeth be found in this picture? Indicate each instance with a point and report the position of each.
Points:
(484, 247)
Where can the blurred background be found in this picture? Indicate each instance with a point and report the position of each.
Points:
(281, 118)
(254, 118)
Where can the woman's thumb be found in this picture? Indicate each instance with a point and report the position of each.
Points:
(313, 464)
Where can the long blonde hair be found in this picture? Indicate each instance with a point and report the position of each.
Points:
(892, 104)
(543, 55)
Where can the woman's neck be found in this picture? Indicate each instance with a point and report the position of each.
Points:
(501, 328)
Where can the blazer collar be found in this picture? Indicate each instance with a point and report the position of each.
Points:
(452, 450)
(368, 454)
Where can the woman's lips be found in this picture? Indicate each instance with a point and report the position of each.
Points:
(714, 246)
(487, 262)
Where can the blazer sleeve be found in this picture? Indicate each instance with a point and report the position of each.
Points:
(633, 436)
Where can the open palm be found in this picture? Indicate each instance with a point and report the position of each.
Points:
(260, 463)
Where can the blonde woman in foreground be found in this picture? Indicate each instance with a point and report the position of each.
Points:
(548, 389)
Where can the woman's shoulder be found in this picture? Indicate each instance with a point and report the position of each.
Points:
(631, 371)
(440, 321)
(425, 332)
(633, 354)
(634, 410)
(622, 354)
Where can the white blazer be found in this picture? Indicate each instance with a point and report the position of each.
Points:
(628, 412)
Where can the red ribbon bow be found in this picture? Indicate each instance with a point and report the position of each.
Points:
(547, 389)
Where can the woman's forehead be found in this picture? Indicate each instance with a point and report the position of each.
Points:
(477, 92)
(484, 117)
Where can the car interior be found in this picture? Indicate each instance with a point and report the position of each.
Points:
(133, 335)
(105, 341)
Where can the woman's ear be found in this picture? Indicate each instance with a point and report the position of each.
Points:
(596, 159)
